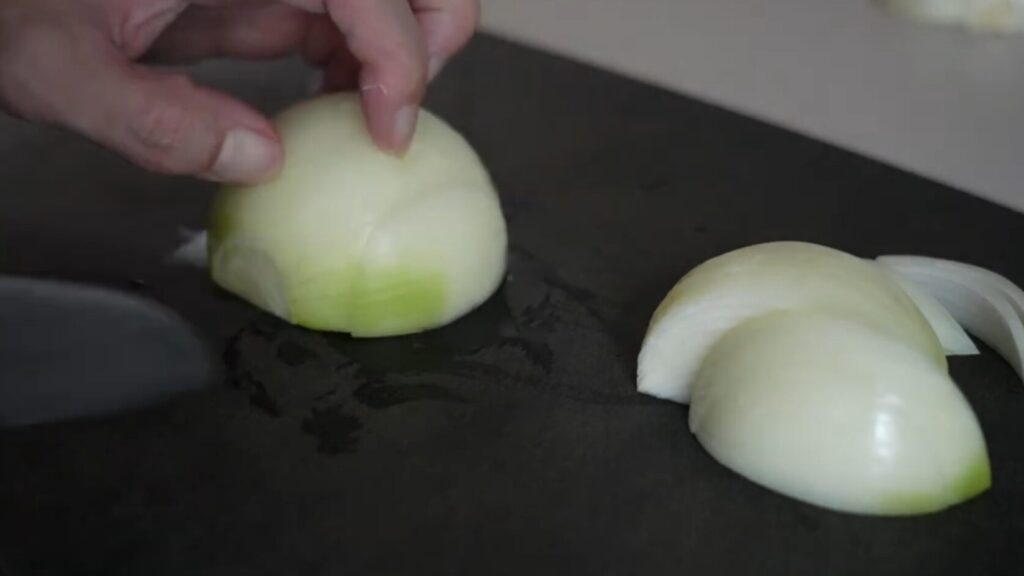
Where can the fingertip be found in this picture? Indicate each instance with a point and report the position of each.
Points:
(404, 127)
(391, 124)
(385, 38)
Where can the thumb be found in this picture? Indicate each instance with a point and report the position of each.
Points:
(168, 124)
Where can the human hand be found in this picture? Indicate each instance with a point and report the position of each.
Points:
(81, 65)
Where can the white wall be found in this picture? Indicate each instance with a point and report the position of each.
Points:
(937, 102)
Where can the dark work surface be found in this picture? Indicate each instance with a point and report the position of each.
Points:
(511, 442)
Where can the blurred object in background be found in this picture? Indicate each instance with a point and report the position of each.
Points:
(982, 16)
(938, 101)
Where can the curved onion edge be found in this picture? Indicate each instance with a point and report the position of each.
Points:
(987, 304)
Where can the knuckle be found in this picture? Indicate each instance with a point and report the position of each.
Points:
(172, 162)
(165, 123)
(170, 138)
(400, 73)
(133, 26)
(162, 125)
(177, 84)
(409, 77)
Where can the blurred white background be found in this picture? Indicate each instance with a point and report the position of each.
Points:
(943, 103)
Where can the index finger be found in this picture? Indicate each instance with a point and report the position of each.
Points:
(384, 36)
(447, 26)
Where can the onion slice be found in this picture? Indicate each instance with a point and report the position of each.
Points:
(954, 339)
(825, 408)
(729, 289)
(192, 251)
(989, 305)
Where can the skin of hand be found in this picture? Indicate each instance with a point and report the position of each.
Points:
(84, 66)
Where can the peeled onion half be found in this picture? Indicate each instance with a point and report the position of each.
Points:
(352, 239)
(827, 409)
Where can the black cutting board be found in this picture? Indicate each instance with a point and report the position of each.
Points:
(512, 442)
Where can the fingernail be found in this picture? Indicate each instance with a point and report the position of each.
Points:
(245, 156)
(405, 124)
(374, 87)
(435, 66)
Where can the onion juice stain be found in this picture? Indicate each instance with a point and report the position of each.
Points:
(293, 353)
(520, 315)
(381, 396)
(333, 386)
(335, 430)
(430, 351)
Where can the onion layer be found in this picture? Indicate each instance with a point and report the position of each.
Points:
(954, 339)
(827, 409)
(729, 289)
(989, 305)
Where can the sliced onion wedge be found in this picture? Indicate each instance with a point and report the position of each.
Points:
(732, 288)
(953, 337)
(989, 305)
(826, 409)
(194, 250)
